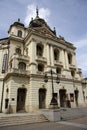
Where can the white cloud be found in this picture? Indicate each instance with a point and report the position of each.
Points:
(45, 13)
(31, 12)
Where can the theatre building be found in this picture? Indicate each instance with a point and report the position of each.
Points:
(34, 64)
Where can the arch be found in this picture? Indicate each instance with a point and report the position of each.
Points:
(42, 98)
(22, 66)
(39, 49)
(21, 97)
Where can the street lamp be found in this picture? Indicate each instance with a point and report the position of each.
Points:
(53, 102)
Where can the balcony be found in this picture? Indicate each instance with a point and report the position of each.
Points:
(17, 72)
(20, 57)
(59, 63)
(41, 59)
(72, 66)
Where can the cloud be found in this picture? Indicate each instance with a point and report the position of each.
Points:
(31, 9)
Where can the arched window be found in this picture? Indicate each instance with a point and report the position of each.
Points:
(22, 66)
(56, 54)
(70, 58)
(40, 67)
(39, 50)
(19, 33)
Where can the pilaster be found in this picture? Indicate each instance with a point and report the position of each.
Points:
(62, 58)
(52, 55)
(66, 61)
(48, 55)
(32, 51)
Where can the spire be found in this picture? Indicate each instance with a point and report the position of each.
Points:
(18, 19)
(54, 31)
(37, 14)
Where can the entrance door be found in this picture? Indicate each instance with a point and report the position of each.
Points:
(76, 92)
(21, 99)
(62, 93)
(42, 97)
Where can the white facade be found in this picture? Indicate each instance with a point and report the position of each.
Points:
(25, 57)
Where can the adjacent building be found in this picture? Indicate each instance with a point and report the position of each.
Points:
(30, 54)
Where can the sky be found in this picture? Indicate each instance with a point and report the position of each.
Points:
(69, 17)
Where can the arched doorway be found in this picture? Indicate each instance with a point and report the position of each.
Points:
(62, 94)
(76, 92)
(21, 96)
(42, 98)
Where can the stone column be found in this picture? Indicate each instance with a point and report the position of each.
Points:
(32, 51)
(62, 59)
(74, 60)
(48, 55)
(52, 55)
(66, 61)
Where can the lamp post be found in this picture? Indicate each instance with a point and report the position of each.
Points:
(53, 102)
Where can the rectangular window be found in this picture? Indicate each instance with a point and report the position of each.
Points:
(4, 64)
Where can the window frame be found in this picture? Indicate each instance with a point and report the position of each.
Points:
(40, 67)
(56, 54)
(39, 50)
(22, 66)
(19, 34)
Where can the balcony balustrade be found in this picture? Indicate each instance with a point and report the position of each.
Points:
(58, 63)
(20, 57)
(14, 71)
(40, 58)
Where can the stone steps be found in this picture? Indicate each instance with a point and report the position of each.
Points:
(71, 113)
(26, 118)
(7, 120)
